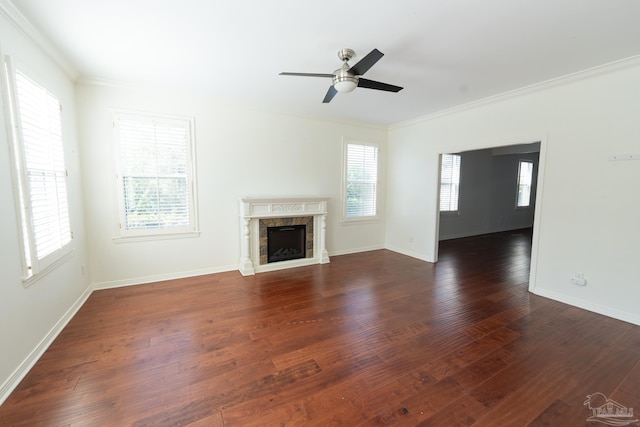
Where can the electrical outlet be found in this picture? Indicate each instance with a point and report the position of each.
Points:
(579, 279)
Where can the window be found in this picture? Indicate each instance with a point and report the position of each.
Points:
(525, 177)
(449, 182)
(155, 176)
(40, 173)
(361, 181)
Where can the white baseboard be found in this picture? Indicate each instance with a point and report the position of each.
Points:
(21, 371)
(356, 250)
(478, 233)
(162, 277)
(462, 235)
(586, 305)
(412, 254)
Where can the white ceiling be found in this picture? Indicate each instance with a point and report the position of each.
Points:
(443, 52)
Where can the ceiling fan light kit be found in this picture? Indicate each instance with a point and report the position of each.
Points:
(346, 78)
(343, 81)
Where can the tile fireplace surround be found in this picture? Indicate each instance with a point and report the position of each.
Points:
(254, 209)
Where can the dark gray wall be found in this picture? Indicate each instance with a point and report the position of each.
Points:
(488, 191)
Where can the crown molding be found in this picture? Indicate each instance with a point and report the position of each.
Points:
(607, 68)
(258, 108)
(15, 17)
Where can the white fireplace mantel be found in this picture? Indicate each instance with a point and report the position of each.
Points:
(253, 209)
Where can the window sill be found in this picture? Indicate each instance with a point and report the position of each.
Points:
(155, 237)
(28, 281)
(360, 220)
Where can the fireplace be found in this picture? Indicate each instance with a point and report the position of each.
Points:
(303, 219)
(286, 243)
(298, 230)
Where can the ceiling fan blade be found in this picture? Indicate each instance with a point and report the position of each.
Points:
(307, 74)
(330, 94)
(371, 84)
(367, 62)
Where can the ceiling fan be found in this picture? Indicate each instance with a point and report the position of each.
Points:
(346, 78)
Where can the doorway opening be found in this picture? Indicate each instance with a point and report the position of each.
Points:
(491, 192)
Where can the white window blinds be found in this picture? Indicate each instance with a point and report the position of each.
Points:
(449, 182)
(525, 178)
(361, 180)
(42, 171)
(155, 173)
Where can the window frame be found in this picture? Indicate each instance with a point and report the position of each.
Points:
(440, 184)
(156, 233)
(345, 181)
(33, 267)
(530, 185)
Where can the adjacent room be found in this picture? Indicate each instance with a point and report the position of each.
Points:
(275, 213)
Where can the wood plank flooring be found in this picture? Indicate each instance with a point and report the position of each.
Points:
(372, 339)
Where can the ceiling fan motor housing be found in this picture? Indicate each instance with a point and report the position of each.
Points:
(343, 80)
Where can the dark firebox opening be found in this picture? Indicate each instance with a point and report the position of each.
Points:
(286, 243)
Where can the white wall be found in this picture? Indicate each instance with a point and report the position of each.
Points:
(588, 207)
(240, 152)
(31, 316)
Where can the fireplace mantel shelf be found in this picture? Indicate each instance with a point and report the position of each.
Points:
(253, 209)
(259, 207)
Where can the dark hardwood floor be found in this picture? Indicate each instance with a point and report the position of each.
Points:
(371, 339)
